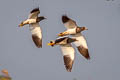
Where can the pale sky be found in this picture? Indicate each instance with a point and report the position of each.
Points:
(25, 61)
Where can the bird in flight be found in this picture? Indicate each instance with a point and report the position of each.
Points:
(67, 50)
(75, 31)
(33, 21)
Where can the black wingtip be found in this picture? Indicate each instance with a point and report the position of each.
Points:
(65, 18)
(37, 41)
(84, 52)
(87, 57)
(35, 9)
(68, 63)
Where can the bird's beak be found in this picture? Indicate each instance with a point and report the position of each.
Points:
(21, 25)
(51, 44)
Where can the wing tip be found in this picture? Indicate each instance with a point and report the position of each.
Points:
(39, 46)
(84, 52)
(65, 18)
(35, 9)
(37, 41)
(68, 70)
(68, 63)
(88, 57)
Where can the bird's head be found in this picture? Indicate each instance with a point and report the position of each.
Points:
(84, 28)
(79, 29)
(52, 43)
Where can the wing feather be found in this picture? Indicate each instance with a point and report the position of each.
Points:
(68, 56)
(34, 13)
(81, 45)
(68, 23)
(36, 34)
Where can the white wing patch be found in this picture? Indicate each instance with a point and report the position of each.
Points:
(81, 40)
(35, 30)
(68, 50)
(70, 24)
(33, 15)
(71, 31)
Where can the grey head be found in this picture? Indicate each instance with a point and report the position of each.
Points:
(40, 18)
(79, 29)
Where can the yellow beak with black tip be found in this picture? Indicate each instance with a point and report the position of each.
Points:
(51, 44)
(21, 25)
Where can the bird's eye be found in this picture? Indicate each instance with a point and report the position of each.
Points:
(50, 41)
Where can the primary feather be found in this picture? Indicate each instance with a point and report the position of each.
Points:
(36, 34)
(34, 13)
(68, 56)
(81, 45)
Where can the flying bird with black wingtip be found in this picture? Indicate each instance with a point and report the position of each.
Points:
(33, 21)
(67, 50)
(75, 31)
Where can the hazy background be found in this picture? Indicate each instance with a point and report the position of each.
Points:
(25, 61)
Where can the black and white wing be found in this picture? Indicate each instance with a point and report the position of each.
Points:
(81, 45)
(68, 23)
(34, 13)
(68, 56)
(36, 34)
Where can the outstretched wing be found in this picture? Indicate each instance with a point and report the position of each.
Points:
(68, 56)
(36, 34)
(34, 13)
(81, 45)
(68, 23)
